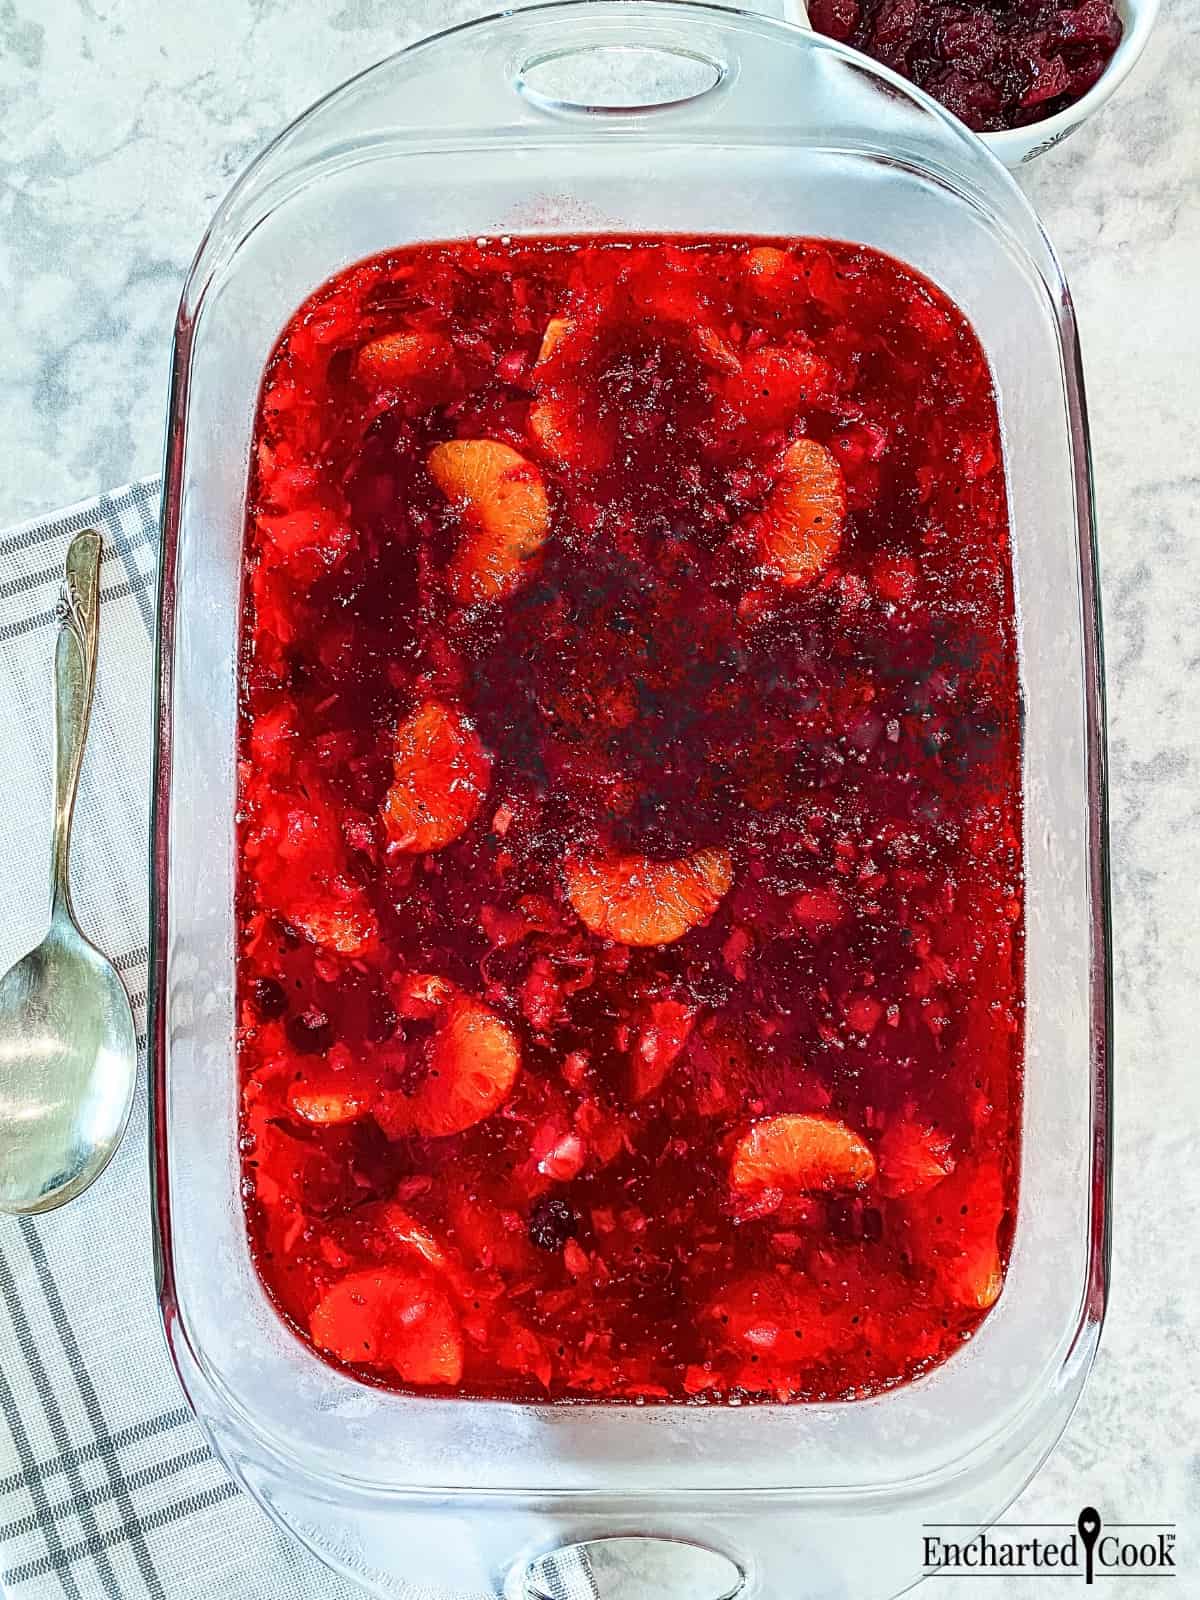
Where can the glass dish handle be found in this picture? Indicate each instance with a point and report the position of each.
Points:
(627, 65)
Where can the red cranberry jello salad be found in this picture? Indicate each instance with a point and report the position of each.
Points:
(630, 885)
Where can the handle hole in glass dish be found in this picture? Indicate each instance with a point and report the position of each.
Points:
(627, 1568)
(617, 79)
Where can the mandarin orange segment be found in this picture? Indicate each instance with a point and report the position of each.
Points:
(393, 1318)
(401, 1229)
(771, 385)
(419, 368)
(330, 1089)
(799, 529)
(766, 263)
(798, 1154)
(399, 357)
(550, 427)
(470, 1068)
(505, 513)
(913, 1155)
(420, 995)
(981, 1279)
(636, 900)
(557, 329)
(778, 1319)
(302, 862)
(954, 1229)
(440, 776)
(570, 434)
(347, 928)
(328, 1106)
(715, 351)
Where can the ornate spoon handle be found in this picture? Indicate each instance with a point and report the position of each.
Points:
(74, 679)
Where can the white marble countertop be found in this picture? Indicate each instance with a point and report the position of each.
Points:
(121, 124)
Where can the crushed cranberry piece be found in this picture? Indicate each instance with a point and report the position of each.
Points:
(994, 63)
(552, 1223)
(630, 894)
(270, 997)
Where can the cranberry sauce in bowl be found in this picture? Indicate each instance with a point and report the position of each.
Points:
(995, 64)
(630, 892)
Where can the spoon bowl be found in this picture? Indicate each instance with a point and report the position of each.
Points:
(68, 1048)
(66, 1042)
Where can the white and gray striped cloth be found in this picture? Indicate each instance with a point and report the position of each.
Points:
(107, 1488)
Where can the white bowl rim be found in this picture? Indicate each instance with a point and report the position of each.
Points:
(1139, 17)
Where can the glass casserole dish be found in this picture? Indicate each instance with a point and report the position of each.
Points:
(464, 135)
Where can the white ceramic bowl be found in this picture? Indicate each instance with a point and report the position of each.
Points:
(1015, 146)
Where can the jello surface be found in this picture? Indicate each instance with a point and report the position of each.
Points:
(630, 982)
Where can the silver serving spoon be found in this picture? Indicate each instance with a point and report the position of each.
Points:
(68, 1050)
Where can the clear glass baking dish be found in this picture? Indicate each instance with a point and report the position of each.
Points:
(466, 134)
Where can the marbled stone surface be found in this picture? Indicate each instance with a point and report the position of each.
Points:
(121, 124)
